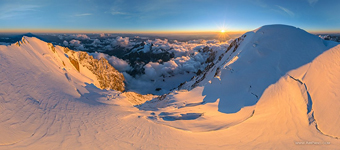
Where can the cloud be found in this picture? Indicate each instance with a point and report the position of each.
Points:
(96, 42)
(10, 11)
(65, 43)
(84, 14)
(81, 47)
(103, 35)
(178, 48)
(118, 13)
(74, 36)
(120, 41)
(189, 57)
(76, 44)
(117, 63)
(290, 13)
(61, 37)
(312, 2)
(79, 36)
(168, 75)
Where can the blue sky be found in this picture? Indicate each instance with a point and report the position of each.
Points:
(166, 15)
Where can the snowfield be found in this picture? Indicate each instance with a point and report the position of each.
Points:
(276, 87)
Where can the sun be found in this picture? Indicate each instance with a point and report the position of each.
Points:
(222, 31)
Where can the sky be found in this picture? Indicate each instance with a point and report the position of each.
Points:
(149, 16)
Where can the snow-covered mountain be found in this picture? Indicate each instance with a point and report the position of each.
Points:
(274, 87)
(253, 62)
(76, 65)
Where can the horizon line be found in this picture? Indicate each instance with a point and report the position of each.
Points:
(70, 31)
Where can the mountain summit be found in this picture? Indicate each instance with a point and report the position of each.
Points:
(75, 65)
(253, 62)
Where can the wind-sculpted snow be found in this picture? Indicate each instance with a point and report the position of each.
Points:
(47, 103)
(259, 60)
(323, 83)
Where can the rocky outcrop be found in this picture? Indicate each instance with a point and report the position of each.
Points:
(212, 64)
(78, 64)
(107, 76)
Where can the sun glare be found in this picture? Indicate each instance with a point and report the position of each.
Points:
(222, 35)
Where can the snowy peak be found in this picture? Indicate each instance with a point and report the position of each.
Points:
(79, 64)
(276, 79)
(254, 61)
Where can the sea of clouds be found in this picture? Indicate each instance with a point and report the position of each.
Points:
(189, 57)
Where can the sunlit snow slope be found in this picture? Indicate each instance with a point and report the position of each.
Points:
(274, 88)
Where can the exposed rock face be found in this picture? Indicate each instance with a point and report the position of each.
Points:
(50, 45)
(211, 62)
(107, 76)
(22, 41)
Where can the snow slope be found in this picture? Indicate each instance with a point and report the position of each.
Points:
(323, 84)
(297, 105)
(258, 60)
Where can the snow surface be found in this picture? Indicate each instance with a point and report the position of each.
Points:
(293, 73)
(248, 71)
